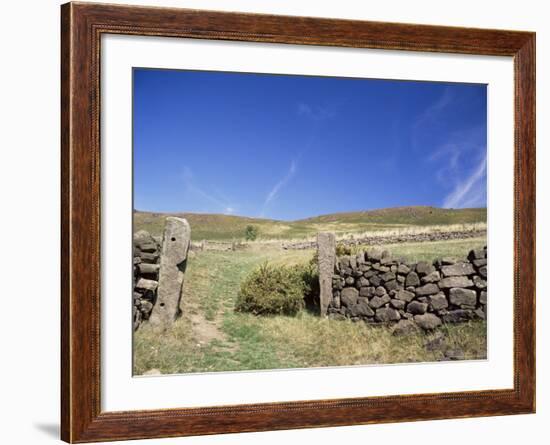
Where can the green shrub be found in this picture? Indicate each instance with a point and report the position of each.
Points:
(309, 273)
(251, 233)
(273, 290)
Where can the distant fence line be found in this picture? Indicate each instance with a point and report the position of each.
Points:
(224, 246)
(392, 239)
(371, 239)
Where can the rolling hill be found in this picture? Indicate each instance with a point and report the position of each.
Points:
(231, 227)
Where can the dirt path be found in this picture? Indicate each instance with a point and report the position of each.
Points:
(204, 312)
(204, 331)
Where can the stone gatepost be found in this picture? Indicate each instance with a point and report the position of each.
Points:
(173, 259)
(326, 248)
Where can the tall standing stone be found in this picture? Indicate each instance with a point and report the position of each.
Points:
(173, 259)
(326, 248)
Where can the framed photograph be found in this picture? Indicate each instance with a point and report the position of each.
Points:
(274, 222)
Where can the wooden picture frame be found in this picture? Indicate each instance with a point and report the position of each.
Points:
(82, 25)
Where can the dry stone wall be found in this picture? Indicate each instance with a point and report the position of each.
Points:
(374, 287)
(159, 268)
(145, 276)
(374, 239)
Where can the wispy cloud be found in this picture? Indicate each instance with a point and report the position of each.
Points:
(460, 166)
(471, 191)
(221, 203)
(429, 117)
(274, 192)
(314, 113)
(435, 109)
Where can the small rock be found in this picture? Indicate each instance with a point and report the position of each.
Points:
(431, 277)
(377, 302)
(479, 263)
(444, 262)
(361, 310)
(404, 327)
(424, 268)
(483, 297)
(427, 321)
(412, 279)
(375, 280)
(398, 304)
(147, 285)
(387, 314)
(336, 316)
(483, 271)
(369, 273)
(391, 285)
(147, 257)
(148, 269)
(146, 307)
(438, 301)
(458, 269)
(403, 269)
(449, 282)
(374, 254)
(348, 296)
(477, 254)
(367, 291)
(427, 289)
(405, 295)
(417, 308)
(479, 282)
(457, 316)
(462, 297)
(149, 247)
(480, 313)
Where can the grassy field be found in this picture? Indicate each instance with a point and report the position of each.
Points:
(231, 227)
(210, 336)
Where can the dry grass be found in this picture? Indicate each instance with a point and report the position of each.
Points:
(343, 234)
(232, 227)
(310, 341)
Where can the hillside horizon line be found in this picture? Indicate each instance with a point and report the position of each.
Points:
(374, 212)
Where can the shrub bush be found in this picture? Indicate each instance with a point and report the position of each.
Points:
(251, 233)
(309, 274)
(273, 290)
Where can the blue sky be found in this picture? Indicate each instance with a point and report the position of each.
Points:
(291, 147)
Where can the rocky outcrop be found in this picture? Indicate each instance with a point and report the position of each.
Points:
(375, 287)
